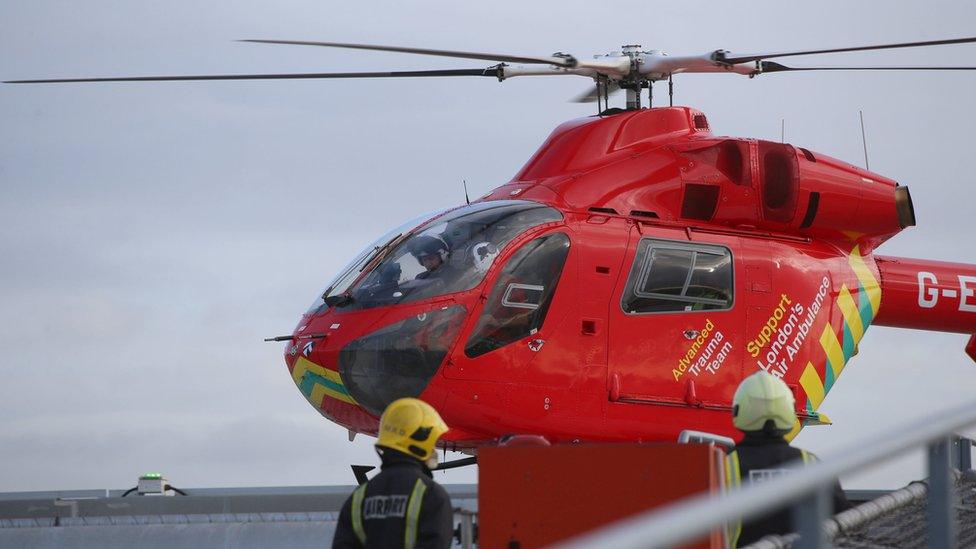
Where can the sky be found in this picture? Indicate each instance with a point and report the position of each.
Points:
(154, 233)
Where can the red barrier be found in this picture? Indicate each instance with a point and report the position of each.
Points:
(534, 496)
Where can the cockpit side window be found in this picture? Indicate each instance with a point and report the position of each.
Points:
(521, 296)
(676, 276)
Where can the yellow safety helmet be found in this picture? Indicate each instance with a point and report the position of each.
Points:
(763, 397)
(411, 426)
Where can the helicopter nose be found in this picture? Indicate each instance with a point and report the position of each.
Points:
(399, 360)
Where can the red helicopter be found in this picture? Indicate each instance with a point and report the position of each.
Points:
(627, 278)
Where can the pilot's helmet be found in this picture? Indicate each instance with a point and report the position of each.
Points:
(429, 245)
(763, 402)
(413, 427)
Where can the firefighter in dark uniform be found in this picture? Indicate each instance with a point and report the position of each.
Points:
(402, 506)
(763, 409)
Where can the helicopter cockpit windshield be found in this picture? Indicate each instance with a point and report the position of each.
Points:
(451, 253)
(354, 268)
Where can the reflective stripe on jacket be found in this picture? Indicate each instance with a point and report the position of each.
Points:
(413, 507)
(400, 507)
(760, 458)
(734, 475)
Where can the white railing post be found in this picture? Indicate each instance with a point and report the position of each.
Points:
(965, 463)
(809, 514)
(941, 510)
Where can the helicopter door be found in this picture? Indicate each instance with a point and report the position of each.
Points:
(520, 312)
(669, 336)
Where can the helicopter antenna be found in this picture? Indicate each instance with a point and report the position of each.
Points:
(467, 200)
(670, 91)
(864, 141)
(782, 130)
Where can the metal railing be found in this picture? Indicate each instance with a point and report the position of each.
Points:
(808, 490)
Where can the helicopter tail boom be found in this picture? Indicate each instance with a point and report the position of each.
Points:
(927, 295)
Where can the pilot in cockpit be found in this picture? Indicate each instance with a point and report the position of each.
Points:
(431, 252)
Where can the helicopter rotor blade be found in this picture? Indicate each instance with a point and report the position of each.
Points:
(728, 58)
(559, 60)
(490, 71)
(771, 66)
(591, 95)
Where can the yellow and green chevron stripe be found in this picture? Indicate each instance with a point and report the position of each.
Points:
(858, 309)
(316, 382)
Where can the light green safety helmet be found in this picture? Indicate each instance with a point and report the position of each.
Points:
(763, 397)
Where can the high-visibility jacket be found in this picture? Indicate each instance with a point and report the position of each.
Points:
(760, 458)
(402, 506)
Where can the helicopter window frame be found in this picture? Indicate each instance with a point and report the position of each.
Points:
(530, 310)
(641, 270)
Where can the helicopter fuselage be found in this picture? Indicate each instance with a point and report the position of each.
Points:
(620, 287)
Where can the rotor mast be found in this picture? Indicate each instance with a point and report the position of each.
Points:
(634, 81)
